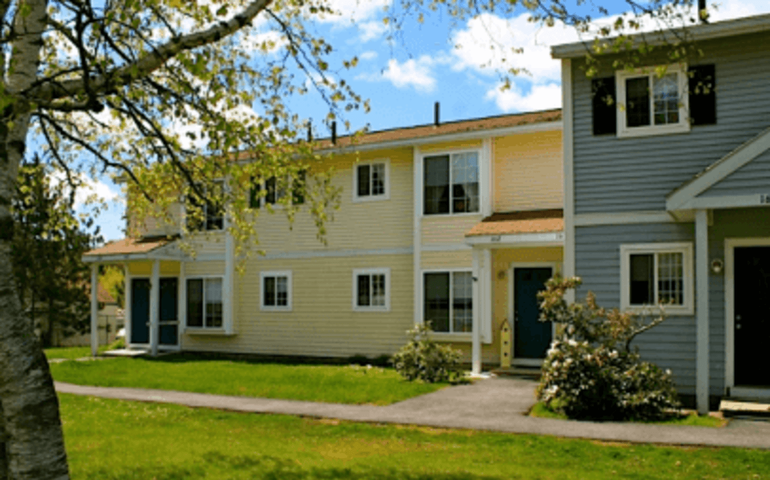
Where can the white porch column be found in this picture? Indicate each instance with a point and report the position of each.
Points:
(487, 292)
(477, 278)
(228, 283)
(154, 306)
(127, 306)
(702, 311)
(94, 308)
(182, 302)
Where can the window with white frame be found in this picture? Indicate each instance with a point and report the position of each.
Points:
(206, 212)
(654, 101)
(204, 302)
(371, 289)
(451, 183)
(275, 191)
(448, 301)
(275, 291)
(370, 181)
(657, 274)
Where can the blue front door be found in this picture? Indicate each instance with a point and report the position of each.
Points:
(140, 310)
(531, 336)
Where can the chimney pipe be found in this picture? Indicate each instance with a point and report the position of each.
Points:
(701, 8)
(309, 131)
(436, 114)
(334, 133)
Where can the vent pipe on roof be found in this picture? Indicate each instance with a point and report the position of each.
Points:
(436, 114)
(703, 17)
(334, 133)
(310, 131)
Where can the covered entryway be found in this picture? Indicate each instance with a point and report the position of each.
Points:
(751, 320)
(531, 337)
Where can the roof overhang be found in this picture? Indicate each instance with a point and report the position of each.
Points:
(686, 196)
(130, 249)
(709, 31)
(521, 240)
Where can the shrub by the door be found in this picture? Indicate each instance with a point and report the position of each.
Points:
(591, 372)
(425, 360)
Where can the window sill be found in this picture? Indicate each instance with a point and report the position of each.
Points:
(215, 332)
(275, 309)
(452, 215)
(452, 337)
(371, 309)
(634, 132)
(652, 311)
(371, 198)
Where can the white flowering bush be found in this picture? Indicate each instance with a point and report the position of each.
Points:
(591, 372)
(425, 360)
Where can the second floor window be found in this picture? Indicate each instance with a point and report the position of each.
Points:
(371, 181)
(451, 183)
(653, 103)
(275, 191)
(212, 212)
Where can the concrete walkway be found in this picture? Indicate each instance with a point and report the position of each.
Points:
(495, 404)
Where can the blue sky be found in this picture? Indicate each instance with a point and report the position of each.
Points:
(433, 62)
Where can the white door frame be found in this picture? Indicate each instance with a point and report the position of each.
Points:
(554, 266)
(730, 245)
(129, 298)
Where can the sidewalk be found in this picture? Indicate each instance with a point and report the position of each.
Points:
(495, 404)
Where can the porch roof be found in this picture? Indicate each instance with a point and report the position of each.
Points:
(128, 249)
(517, 223)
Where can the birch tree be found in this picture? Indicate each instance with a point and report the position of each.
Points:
(170, 95)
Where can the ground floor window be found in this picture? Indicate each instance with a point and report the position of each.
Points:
(655, 274)
(276, 291)
(204, 302)
(448, 298)
(371, 289)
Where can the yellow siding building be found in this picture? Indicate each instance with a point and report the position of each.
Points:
(458, 224)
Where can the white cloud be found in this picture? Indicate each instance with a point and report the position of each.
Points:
(539, 97)
(371, 30)
(412, 73)
(87, 190)
(729, 9)
(370, 55)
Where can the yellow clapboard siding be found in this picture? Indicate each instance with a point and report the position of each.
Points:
(528, 172)
(322, 321)
(447, 146)
(447, 229)
(451, 259)
(144, 268)
(380, 224)
(156, 225)
(192, 269)
(210, 243)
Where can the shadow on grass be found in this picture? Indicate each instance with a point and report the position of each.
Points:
(221, 466)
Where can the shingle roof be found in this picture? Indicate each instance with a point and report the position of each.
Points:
(131, 245)
(513, 223)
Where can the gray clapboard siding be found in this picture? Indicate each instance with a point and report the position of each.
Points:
(753, 177)
(616, 175)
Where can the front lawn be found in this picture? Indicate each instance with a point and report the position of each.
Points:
(111, 439)
(67, 353)
(317, 383)
(690, 420)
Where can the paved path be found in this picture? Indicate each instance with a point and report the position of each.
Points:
(495, 404)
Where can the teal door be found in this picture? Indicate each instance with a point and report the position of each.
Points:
(752, 315)
(168, 318)
(140, 310)
(531, 336)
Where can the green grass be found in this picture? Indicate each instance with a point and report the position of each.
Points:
(689, 419)
(68, 353)
(318, 383)
(111, 440)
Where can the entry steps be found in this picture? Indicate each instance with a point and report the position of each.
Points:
(125, 352)
(518, 371)
(745, 408)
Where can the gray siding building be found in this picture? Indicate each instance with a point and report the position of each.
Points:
(667, 200)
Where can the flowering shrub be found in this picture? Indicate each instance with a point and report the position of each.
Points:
(425, 360)
(590, 371)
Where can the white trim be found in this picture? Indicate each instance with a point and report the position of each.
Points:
(369, 272)
(488, 292)
(182, 302)
(718, 171)
(228, 282)
(94, 309)
(486, 175)
(445, 247)
(224, 299)
(702, 319)
(519, 240)
(338, 253)
(554, 266)
(417, 307)
(370, 197)
(569, 181)
(730, 245)
(650, 73)
(476, 330)
(289, 293)
(626, 218)
(729, 28)
(685, 248)
(450, 137)
(154, 307)
(451, 272)
(127, 304)
(481, 163)
(728, 201)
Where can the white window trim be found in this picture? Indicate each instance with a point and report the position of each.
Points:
(203, 328)
(480, 161)
(684, 122)
(461, 336)
(371, 198)
(371, 271)
(686, 249)
(289, 293)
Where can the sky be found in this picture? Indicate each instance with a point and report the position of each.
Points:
(456, 65)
